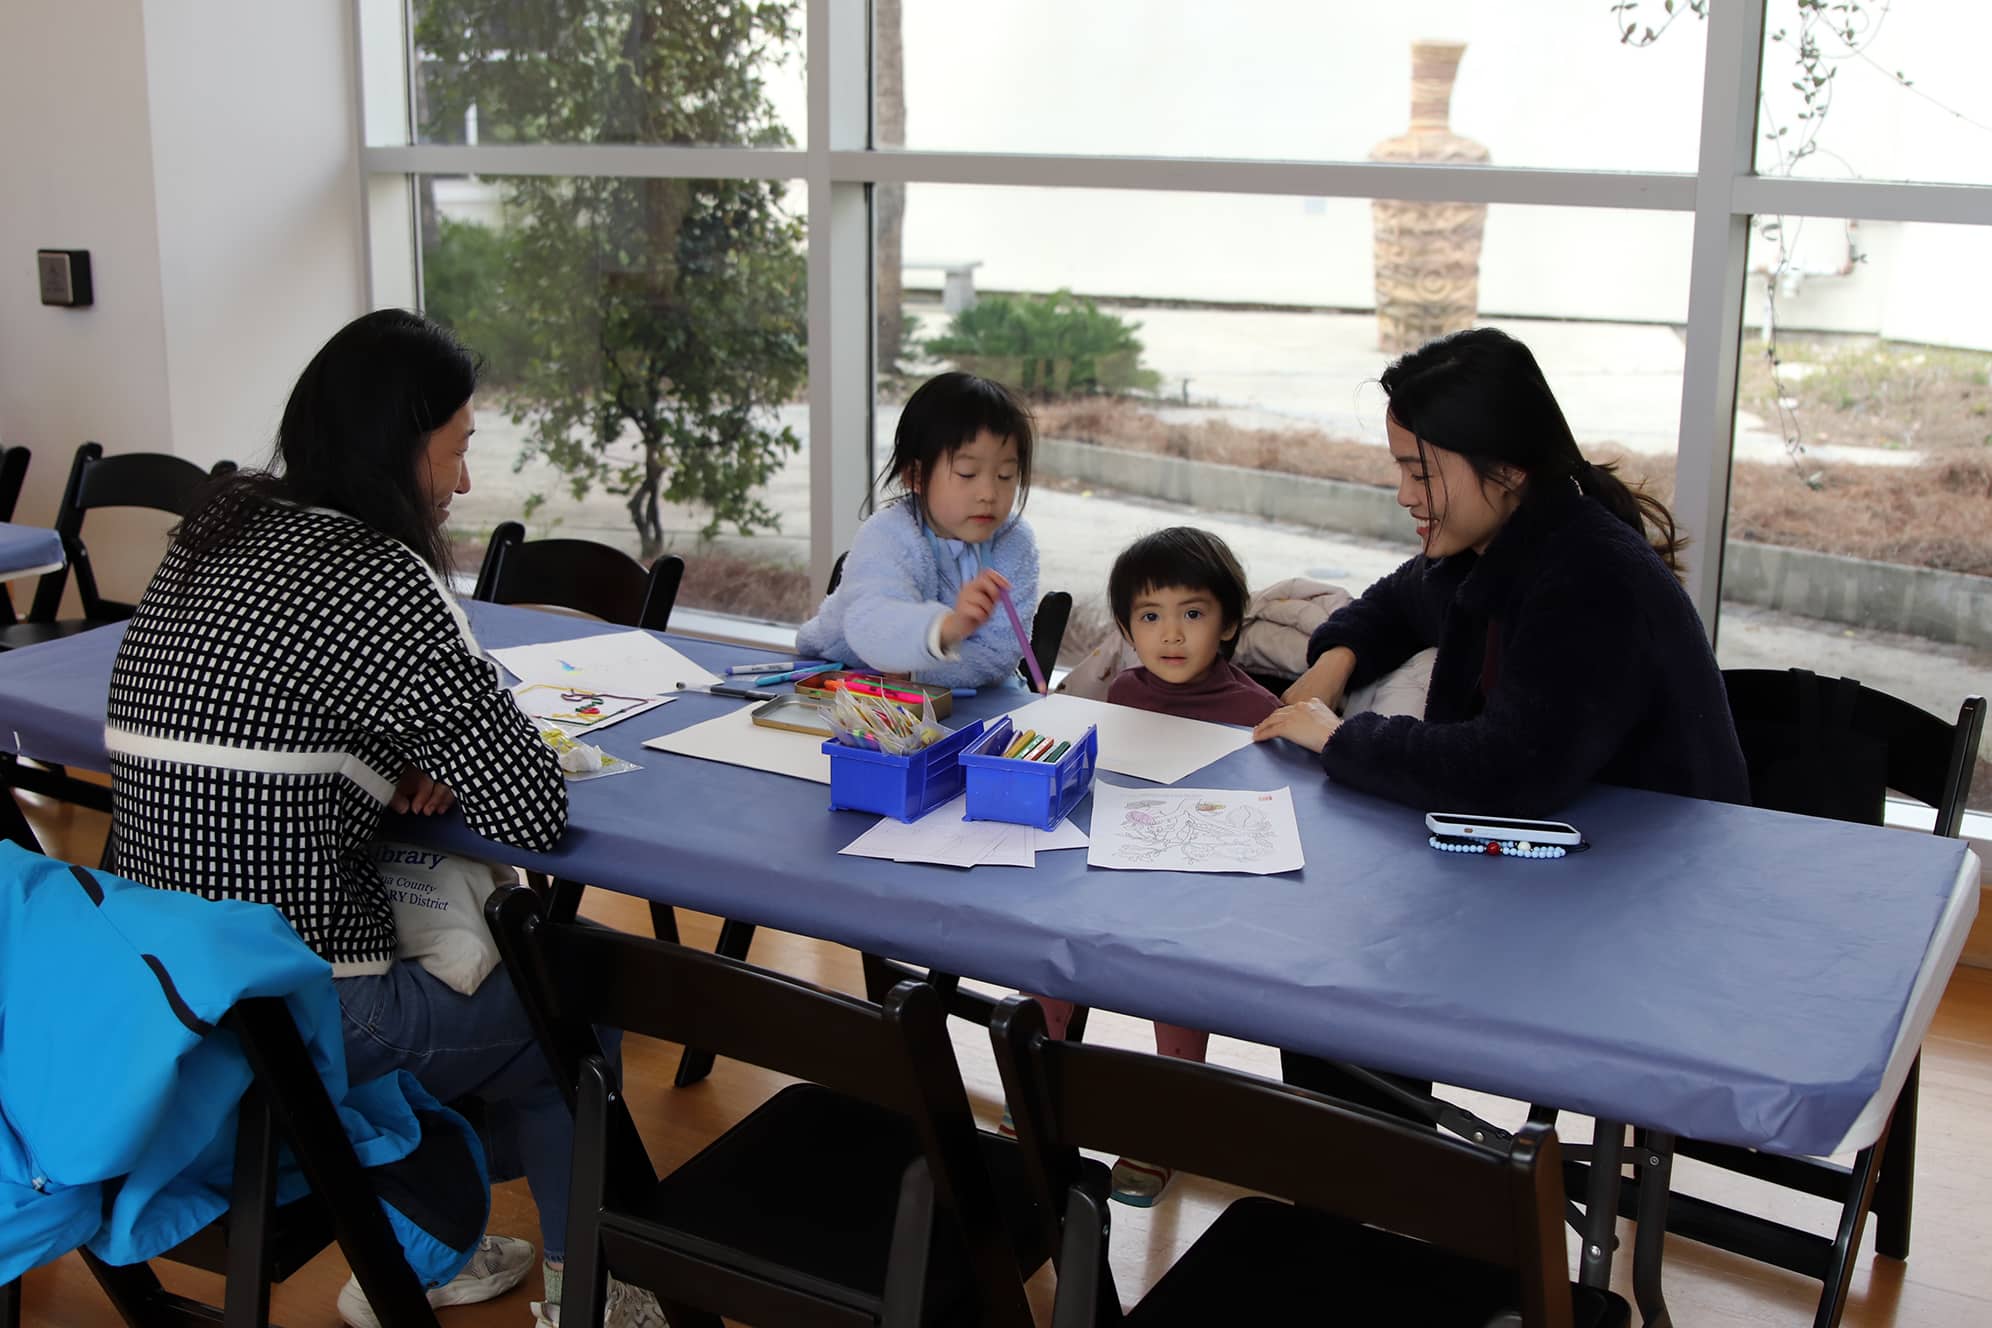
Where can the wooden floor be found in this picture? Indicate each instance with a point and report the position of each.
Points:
(1946, 1283)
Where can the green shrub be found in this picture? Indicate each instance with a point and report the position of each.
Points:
(1046, 345)
(463, 286)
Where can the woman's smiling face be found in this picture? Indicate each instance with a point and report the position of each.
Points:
(1454, 507)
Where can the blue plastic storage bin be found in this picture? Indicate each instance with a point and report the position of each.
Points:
(1039, 793)
(906, 787)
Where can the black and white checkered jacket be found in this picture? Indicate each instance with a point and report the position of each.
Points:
(267, 697)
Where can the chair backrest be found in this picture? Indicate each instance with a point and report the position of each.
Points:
(896, 1055)
(1054, 610)
(150, 480)
(1833, 747)
(13, 473)
(583, 575)
(1504, 1208)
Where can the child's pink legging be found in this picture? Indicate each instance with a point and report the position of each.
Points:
(1185, 1044)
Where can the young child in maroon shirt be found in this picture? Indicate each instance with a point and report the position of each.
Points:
(1179, 598)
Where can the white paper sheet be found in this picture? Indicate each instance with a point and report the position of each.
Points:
(1066, 835)
(579, 710)
(736, 739)
(1141, 743)
(940, 836)
(628, 663)
(1214, 830)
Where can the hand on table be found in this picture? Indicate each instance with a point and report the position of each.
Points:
(1310, 724)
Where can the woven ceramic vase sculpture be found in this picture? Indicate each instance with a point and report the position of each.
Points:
(1427, 254)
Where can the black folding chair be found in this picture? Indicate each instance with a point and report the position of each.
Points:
(1385, 1223)
(581, 575)
(131, 479)
(13, 473)
(150, 480)
(590, 578)
(256, 1242)
(863, 1195)
(1829, 747)
(882, 975)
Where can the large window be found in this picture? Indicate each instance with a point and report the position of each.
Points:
(1248, 208)
(1239, 390)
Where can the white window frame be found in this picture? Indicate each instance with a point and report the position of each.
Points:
(839, 165)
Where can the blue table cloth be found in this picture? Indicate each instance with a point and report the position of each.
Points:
(28, 550)
(1713, 971)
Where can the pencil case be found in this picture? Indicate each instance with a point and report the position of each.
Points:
(819, 686)
(903, 787)
(1039, 793)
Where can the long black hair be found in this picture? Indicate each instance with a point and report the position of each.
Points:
(1480, 393)
(948, 411)
(353, 436)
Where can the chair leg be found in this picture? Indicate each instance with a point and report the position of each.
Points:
(1847, 1241)
(1895, 1191)
(132, 1289)
(252, 1201)
(584, 1285)
(663, 922)
(735, 939)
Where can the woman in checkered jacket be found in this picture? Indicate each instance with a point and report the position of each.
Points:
(297, 666)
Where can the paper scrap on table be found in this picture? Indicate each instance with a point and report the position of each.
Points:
(1142, 743)
(942, 836)
(1067, 835)
(624, 663)
(1214, 830)
(735, 739)
(579, 710)
(582, 761)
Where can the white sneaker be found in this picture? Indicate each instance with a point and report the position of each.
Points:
(627, 1307)
(501, 1263)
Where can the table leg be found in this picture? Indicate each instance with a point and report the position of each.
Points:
(1656, 1163)
(1601, 1195)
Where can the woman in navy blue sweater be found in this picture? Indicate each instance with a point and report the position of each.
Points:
(1568, 651)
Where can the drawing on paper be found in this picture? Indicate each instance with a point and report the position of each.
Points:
(1200, 830)
(1213, 830)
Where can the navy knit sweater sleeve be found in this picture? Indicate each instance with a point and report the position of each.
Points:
(1399, 615)
(1569, 655)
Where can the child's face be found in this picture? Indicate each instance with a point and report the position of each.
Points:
(970, 493)
(1177, 631)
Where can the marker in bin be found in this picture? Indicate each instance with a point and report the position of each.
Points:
(1034, 746)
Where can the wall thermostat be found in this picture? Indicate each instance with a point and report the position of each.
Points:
(65, 276)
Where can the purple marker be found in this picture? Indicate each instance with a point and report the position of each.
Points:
(1030, 658)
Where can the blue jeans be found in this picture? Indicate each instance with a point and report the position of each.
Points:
(479, 1046)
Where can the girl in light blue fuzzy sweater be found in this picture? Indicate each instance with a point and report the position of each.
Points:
(919, 594)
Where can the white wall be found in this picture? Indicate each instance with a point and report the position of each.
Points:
(256, 148)
(76, 156)
(206, 156)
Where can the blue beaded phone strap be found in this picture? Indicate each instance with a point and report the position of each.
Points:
(1502, 848)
